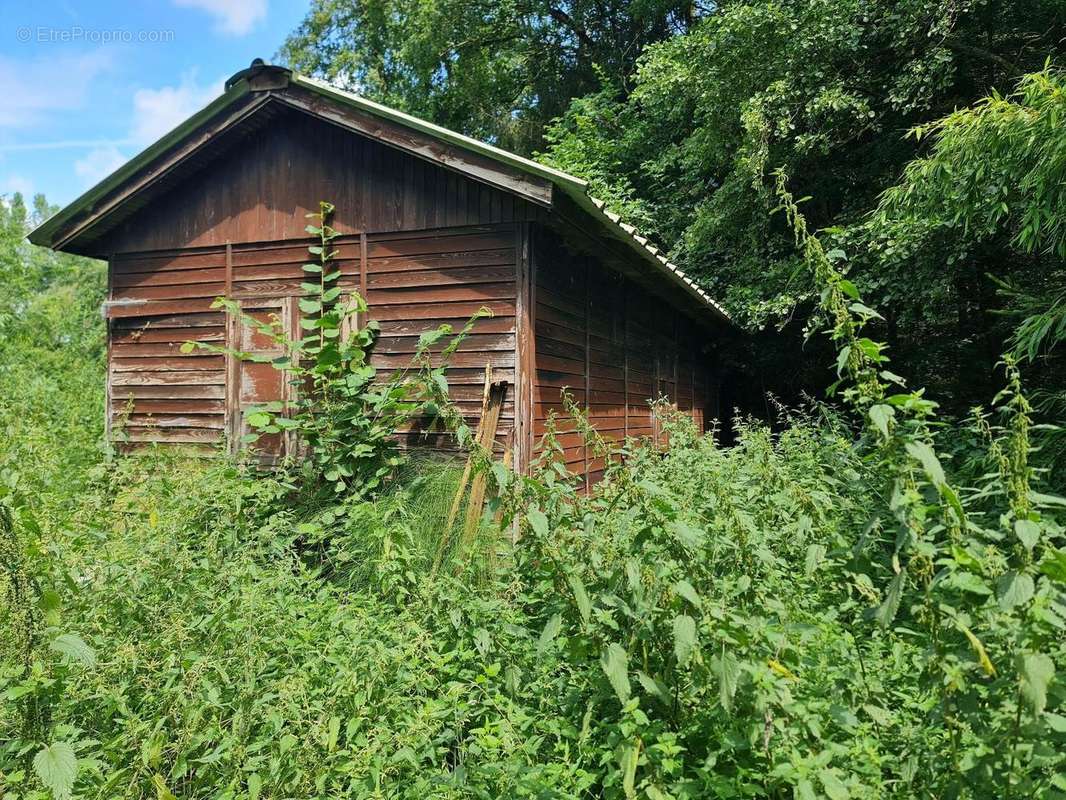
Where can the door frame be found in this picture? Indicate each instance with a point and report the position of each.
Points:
(289, 315)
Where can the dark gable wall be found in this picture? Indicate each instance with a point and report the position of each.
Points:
(426, 245)
(261, 189)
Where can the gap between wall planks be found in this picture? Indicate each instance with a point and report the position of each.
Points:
(233, 414)
(525, 357)
(588, 361)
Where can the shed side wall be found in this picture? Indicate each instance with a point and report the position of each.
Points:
(612, 347)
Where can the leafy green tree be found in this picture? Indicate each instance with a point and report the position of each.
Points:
(497, 70)
(989, 194)
(826, 90)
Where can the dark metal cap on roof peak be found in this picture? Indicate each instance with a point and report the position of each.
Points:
(275, 75)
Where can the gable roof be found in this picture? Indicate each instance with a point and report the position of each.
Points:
(250, 90)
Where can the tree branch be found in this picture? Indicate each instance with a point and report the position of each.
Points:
(986, 55)
(563, 18)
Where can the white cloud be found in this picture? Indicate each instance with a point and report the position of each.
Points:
(157, 111)
(98, 164)
(17, 183)
(232, 17)
(30, 90)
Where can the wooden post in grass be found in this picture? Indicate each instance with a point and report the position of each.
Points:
(461, 490)
(487, 430)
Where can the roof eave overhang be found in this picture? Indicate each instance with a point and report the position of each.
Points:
(534, 182)
(62, 227)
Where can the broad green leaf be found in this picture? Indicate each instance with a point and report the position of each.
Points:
(1057, 723)
(686, 590)
(881, 416)
(1036, 670)
(886, 612)
(628, 763)
(684, 638)
(551, 630)
(73, 646)
(1014, 589)
(842, 359)
(968, 582)
(815, 556)
(57, 767)
(332, 733)
(581, 597)
(615, 665)
(728, 669)
(257, 419)
(952, 498)
(1028, 532)
(864, 311)
(537, 521)
(687, 534)
(652, 686)
(255, 786)
(49, 602)
(1047, 499)
(834, 787)
(1054, 565)
(924, 454)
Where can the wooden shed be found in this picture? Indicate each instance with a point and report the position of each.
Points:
(434, 225)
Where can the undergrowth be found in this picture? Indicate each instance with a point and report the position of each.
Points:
(836, 609)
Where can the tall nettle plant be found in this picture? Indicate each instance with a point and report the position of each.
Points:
(981, 570)
(344, 415)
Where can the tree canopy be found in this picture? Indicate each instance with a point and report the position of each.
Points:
(677, 114)
(498, 70)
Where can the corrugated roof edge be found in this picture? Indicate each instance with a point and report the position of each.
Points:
(574, 187)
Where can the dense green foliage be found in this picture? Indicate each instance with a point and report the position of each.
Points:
(864, 600)
(676, 141)
(827, 91)
(497, 70)
(819, 612)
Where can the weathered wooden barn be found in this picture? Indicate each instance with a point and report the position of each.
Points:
(435, 225)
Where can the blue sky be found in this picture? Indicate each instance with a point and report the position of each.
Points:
(86, 84)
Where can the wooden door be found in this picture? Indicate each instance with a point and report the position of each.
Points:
(254, 383)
